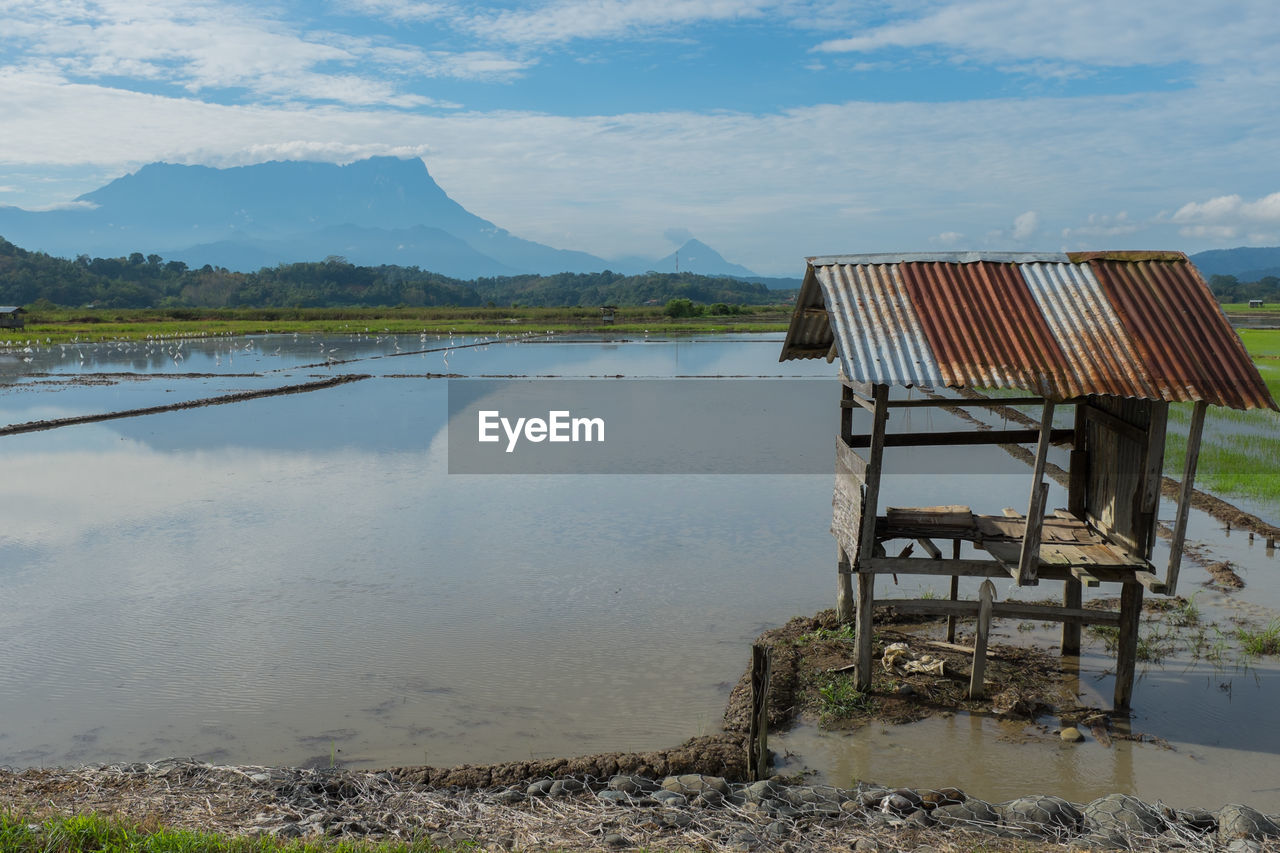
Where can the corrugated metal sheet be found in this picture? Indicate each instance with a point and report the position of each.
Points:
(1126, 324)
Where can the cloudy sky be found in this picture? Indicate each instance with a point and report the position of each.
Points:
(770, 129)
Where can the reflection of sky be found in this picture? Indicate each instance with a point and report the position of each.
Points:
(191, 582)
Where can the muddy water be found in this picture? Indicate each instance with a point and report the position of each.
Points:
(298, 580)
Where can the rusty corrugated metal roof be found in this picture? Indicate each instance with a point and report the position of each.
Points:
(1129, 324)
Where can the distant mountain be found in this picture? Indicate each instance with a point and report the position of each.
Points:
(1245, 263)
(697, 257)
(383, 210)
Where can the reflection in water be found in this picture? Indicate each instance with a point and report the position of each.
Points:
(297, 577)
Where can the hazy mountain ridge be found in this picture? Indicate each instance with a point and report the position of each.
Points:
(1246, 263)
(381, 210)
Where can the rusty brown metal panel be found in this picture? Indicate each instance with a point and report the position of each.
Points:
(985, 329)
(1184, 340)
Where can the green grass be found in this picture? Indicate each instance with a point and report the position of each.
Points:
(844, 632)
(97, 834)
(1265, 641)
(87, 325)
(839, 698)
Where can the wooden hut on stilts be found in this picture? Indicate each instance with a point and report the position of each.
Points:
(1111, 337)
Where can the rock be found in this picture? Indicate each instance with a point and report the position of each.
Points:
(1244, 845)
(633, 785)
(1124, 814)
(618, 798)
(510, 797)
(709, 799)
(675, 819)
(780, 809)
(692, 784)
(615, 840)
(1237, 821)
(1071, 734)
(967, 815)
(1101, 839)
(902, 802)
(906, 690)
(867, 845)
(669, 798)
(260, 778)
(565, 787)
(942, 797)
(1044, 816)
(744, 839)
(539, 788)
(1202, 821)
(758, 792)
(778, 829)
(287, 830)
(919, 819)
(872, 796)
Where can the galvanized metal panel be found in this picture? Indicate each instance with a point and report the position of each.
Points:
(1126, 324)
(1101, 357)
(985, 328)
(1184, 339)
(878, 332)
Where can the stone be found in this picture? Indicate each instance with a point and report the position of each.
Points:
(968, 814)
(778, 829)
(692, 784)
(669, 798)
(1101, 839)
(565, 787)
(676, 819)
(902, 802)
(1202, 821)
(765, 789)
(1049, 817)
(287, 830)
(942, 797)
(616, 840)
(867, 845)
(1237, 821)
(1071, 734)
(510, 797)
(618, 798)
(919, 819)
(539, 788)
(633, 785)
(709, 798)
(1244, 845)
(1124, 814)
(744, 839)
(872, 796)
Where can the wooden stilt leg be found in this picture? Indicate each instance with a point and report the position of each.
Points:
(1071, 597)
(986, 593)
(955, 593)
(1127, 651)
(844, 589)
(866, 598)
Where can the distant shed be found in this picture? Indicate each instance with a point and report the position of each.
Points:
(11, 317)
(1115, 335)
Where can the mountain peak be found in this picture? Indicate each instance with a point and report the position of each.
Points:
(695, 256)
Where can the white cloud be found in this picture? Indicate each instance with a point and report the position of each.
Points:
(1025, 225)
(1230, 208)
(1103, 225)
(564, 20)
(1098, 33)
(947, 238)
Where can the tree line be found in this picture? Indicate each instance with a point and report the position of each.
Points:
(149, 281)
(1227, 288)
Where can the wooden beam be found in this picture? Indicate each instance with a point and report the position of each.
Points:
(844, 588)
(932, 550)
(1082, 575)
(846, 412)
(875, 465)
(758, 723)
(1152, 478)
(986, 595)
(1078, 476)
(965, 437)
(1184, 496)
(1029, 559)
(986, 402)
(851, 461)
(1005, 610)
(1072, 599)
(1151, 583)
(1108, 421)
(955, 592)
(863, 629)
(925, 566)
(1127, 643)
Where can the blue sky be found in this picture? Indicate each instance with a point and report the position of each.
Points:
(770, 129)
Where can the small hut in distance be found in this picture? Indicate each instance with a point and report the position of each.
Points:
(1114, 336)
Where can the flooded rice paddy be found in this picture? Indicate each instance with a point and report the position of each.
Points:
(299, 580)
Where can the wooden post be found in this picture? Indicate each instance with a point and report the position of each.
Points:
(1127, 646)
(1029, 559)
(758, 724)
(986, 593)
(1072, 597)
(1184, 496)
(863, 628)
(844, 588)
(1078, 482)
(955, 593)
(867, 537)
